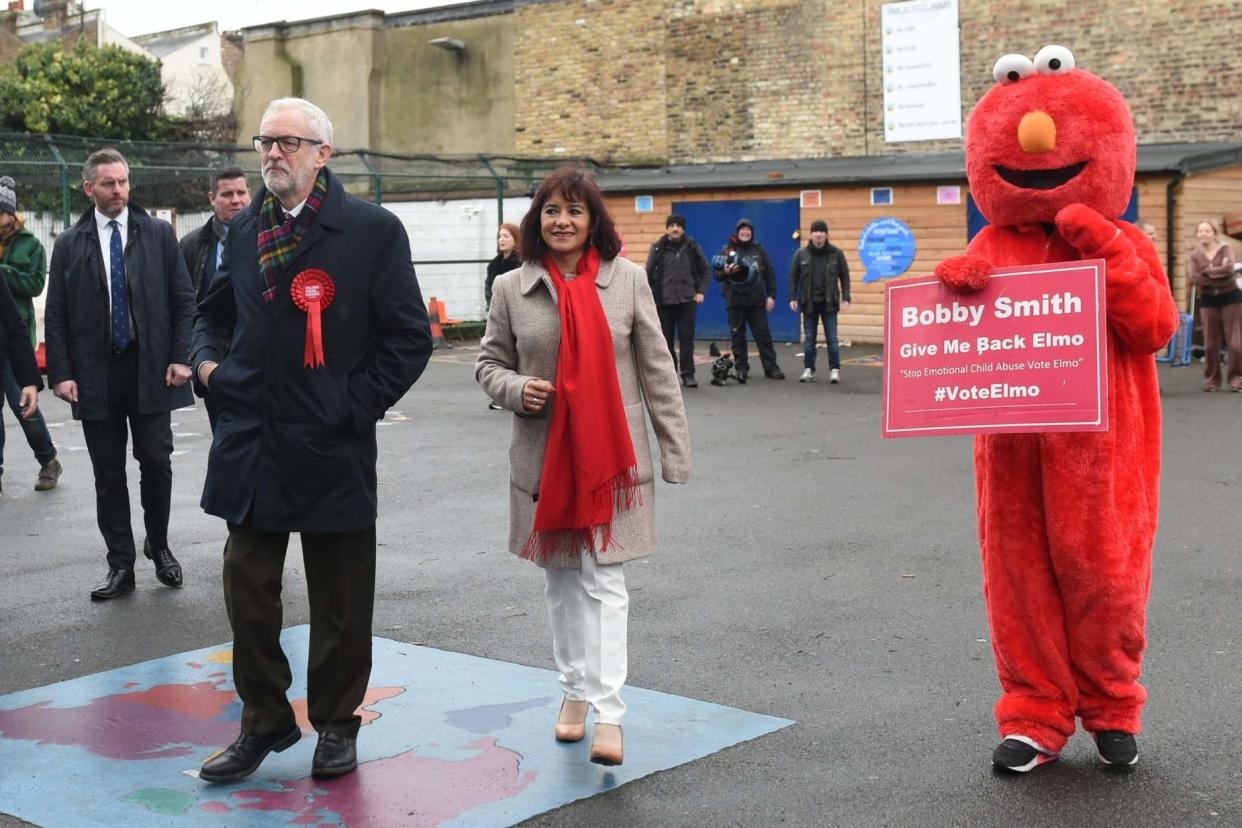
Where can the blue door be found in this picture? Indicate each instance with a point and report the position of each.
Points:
(776, 220)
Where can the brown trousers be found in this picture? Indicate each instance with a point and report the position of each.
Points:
(1226, 319)
(340, 580)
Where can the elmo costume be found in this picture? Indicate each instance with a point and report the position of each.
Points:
(1067, 520)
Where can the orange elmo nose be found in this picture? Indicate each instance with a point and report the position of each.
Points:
(1037, 132)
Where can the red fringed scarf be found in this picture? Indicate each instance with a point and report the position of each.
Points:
(589, 467)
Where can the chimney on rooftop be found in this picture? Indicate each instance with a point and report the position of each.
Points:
(55, 14)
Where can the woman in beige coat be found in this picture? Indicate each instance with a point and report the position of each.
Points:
(574, 348)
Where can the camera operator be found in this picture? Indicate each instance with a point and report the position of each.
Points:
(749, 285)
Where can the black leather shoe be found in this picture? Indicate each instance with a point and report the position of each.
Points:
(167, 570)
(243, 757)
(335, 755)
(116, 582)
(689, 382)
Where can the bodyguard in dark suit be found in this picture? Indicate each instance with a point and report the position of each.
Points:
(294, 447)
(203, 248)
(118, 317)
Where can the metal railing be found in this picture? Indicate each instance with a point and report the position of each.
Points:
(176, 177)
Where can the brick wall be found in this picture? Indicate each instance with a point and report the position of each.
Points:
(717, 80)
(590, 79)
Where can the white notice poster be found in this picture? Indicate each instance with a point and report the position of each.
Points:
(922, 76)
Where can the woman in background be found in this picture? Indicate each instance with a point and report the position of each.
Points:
(507, 259)
(1210, 270)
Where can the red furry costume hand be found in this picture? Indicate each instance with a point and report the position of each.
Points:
(1067, 520)
(964, 272)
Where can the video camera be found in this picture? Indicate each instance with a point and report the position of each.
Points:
(748, 272)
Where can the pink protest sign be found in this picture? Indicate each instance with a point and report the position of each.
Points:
(1026, 353)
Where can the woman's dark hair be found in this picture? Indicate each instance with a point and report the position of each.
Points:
(514, 232)
(574, 184)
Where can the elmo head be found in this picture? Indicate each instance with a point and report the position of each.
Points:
(1046, 136)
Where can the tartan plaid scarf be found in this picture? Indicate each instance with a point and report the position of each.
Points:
(280, 235)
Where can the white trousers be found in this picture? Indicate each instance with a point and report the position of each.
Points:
(589, 611)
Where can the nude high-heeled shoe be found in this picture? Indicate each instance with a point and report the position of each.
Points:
(608, 744)
(571, 721)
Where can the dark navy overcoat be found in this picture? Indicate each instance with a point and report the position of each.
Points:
(294, 447)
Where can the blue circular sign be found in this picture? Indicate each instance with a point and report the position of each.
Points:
(886, 248)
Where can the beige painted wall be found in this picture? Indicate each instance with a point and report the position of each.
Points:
(434, 102)
(385, 88)
(337, 66)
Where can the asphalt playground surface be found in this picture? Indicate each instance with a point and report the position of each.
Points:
(810, 570)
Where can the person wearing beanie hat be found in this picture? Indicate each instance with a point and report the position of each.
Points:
(819, 284)
(678, 273)
(748, 282)
(23, 267)
(8, 196)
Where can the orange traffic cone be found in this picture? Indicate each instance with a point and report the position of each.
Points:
(435, 311)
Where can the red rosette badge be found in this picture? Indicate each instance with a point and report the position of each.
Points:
(312, 291)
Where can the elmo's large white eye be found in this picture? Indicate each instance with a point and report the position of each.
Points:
(1054, 60)
(1012, 68)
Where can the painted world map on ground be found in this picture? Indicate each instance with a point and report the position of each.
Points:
(447, 739)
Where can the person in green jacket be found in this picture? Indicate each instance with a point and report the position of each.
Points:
(23, 265)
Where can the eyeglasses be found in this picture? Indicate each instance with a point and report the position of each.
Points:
(287, 143)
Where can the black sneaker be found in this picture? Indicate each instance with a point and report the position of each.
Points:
(1116, 747)
(1018, 756)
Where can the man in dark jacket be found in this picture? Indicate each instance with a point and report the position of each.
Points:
(749, 285)
(819, 286)
(23, 268)
(17, 354)
(203, 248)
(118, 318)
(678, 273)
(294, 448)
